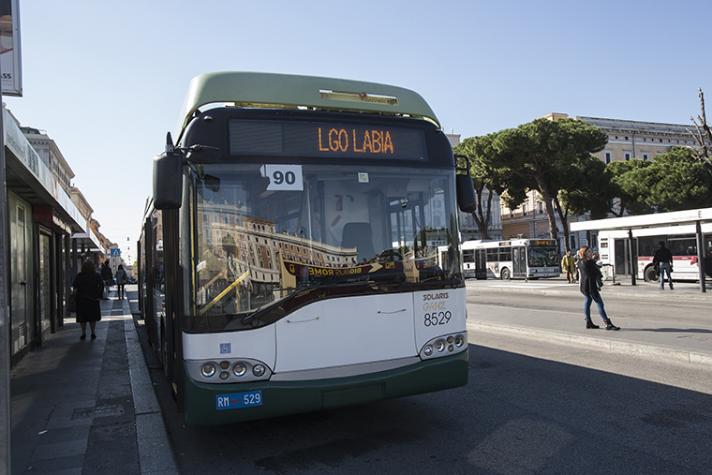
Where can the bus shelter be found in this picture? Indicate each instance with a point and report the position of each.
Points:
(696, 218)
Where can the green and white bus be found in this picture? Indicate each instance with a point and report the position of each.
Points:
(288, 257)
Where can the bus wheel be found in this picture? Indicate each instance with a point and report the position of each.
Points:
(504, 274)
(650, 274)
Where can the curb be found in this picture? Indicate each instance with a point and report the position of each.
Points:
(154, 449)
(625, 347)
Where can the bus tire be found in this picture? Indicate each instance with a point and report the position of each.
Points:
(650, 274)
(504, 274)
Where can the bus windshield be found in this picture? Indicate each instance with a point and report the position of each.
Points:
(265, 232)
(543, 256)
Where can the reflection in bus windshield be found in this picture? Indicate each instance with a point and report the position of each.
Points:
(258, 243)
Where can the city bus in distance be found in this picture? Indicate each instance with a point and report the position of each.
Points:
(511, 259)
(681, 240)
(289, 254)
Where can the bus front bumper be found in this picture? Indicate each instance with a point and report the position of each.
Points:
(291, 397)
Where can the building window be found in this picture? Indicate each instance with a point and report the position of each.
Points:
(661, 140)
(627, 156)
(645, 156)
(524, 209)
(608, 157)
(541, 207)
(626, 137)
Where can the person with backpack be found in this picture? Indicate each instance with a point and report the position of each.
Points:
(662, 261)
(121, 280)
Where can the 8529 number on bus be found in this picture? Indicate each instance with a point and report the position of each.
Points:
(436, 318)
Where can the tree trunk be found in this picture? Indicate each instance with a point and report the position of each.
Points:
(553, 230)
(483, 219)
(564, 222)
(489, 214)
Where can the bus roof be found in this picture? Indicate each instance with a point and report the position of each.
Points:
(479, 244)
(250, 89)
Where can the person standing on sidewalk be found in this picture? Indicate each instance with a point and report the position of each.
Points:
(106, 276)
(121, 279)
(89, 289)
(589, 276)
(568, 267)
(662, 260)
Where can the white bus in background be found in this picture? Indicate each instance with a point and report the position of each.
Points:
(613, 248)
(511, 259)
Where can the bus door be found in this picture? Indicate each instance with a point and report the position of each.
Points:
(519, 262)
(481, 264)
(622, 260)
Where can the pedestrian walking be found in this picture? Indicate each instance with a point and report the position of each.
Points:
(121, 280)
(662, 261)
(590, 275)
(88, 288)
(568, 267)
(577, 259)
(106, 276)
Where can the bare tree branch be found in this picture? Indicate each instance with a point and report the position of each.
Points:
(703, 135)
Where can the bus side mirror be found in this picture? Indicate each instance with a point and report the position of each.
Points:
(465, 194)
(168, 180)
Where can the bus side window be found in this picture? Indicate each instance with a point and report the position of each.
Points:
(468, 255)
(492, 255)
(505, 255)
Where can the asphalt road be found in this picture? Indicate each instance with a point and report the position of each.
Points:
(522, 412)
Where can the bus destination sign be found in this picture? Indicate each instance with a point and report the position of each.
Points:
(323, 139)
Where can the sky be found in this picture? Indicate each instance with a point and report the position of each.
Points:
(106, 80)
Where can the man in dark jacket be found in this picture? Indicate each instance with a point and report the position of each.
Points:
(107, 276)
(662, 260)
(589, 276)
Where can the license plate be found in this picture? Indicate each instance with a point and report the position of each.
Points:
(224, 402)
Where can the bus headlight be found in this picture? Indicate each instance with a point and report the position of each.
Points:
(208, 370)
(239, 369)
(236, 370)
(444, 345)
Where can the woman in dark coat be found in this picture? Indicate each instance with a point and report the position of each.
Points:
(590, 276)
(89, 289)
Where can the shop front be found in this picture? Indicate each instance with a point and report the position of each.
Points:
(41, 219)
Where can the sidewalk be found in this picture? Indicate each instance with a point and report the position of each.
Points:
(559, 287)
(663, 328)
(88, 406)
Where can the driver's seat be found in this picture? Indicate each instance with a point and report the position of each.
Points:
(360, 236)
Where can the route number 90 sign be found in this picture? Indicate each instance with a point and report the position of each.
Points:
(283, 177)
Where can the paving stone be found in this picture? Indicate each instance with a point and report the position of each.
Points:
(64, 449)
(57, 463)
